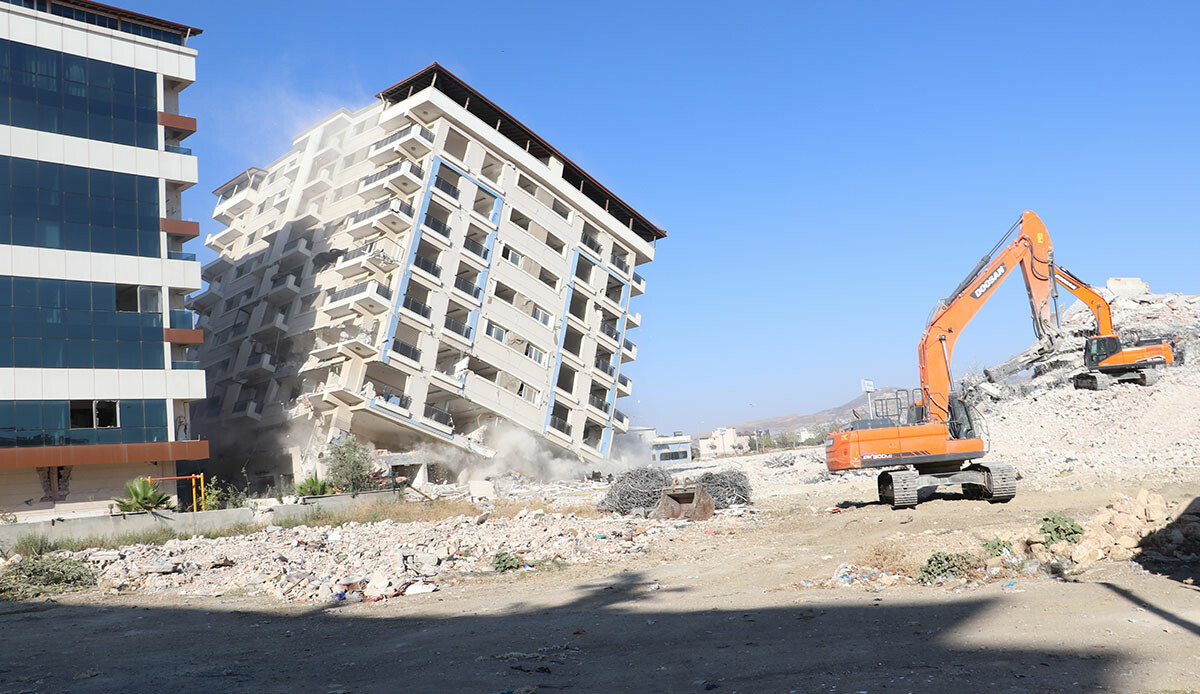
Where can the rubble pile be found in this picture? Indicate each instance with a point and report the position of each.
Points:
(367, 561)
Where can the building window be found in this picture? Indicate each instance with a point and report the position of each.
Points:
(540, 315)
(32, 423)
(496, 332)
(511, 256)
(534, 353)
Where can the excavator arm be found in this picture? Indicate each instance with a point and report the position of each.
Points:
(1032, 251)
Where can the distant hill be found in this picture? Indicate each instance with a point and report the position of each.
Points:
(793, 422)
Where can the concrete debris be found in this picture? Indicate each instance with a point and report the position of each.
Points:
(370, 561)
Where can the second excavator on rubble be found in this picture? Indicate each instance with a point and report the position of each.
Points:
(932, 437)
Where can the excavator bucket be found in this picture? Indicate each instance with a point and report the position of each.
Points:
(689, 501)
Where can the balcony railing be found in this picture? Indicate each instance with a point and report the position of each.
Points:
(186, 365)
(380, 175)
(402, 347)
(427, 265)
(181, 319)
(599, 403)
(367, 214)
(605, 366)
(466, 286)
(176, 149)
(620, 416)
(592, 244)
(623, 380)
(402, 400)
(181, 255)
(254, 358)
(439, 415)
(561, 425)
(446, 186)
(629, 345)
(393, 137)
(475, 247)
(620, 264)
(417, 307)
(638, 279)
(437, 225)
(610, 330)
(359, 288)
(282, 280)
(459, 327)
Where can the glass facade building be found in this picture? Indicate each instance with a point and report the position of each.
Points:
(94, 373)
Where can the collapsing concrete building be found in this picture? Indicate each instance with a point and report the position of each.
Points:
(423, 270)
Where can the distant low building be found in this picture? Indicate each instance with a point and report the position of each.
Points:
(723, 441)
(663, 448)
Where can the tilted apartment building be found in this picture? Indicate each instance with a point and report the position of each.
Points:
(422, 270)
(94, 375)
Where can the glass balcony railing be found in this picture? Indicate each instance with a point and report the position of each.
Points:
(620, 416)
(630, 346)
(446, 187)
(439, 415)
(357, 289)
(638, 279)
(402, 347)
(417, 307)
(186, 365)
(605, 366)
(561, 425)
(623, 380)
(610, 330)
(182, 320)
(459, 327)
(181, 255)
(475, 247)
(599, 403)
(465, 285)
(176, 149)
(427, 265)
(437, 225)
(592, 244)
(620, 264)
(401, 400)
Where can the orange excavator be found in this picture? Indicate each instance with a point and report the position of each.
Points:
(932, 436)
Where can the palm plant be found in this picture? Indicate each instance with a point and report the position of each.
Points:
(142, 494)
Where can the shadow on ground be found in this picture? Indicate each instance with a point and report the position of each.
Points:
(611, 638)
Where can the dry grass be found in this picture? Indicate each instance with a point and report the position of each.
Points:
(887, 555)
(375, 511)
(510, 508)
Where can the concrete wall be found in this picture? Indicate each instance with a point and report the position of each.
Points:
(90, 490)
(181, 523)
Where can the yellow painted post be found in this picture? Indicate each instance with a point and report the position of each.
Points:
(194, 509)
(203, 499)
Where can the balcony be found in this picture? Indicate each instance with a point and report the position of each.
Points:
(360, 347)
(437, 414)
(561, 425)
(318, 184)
(273, 323)
(427, 265)
(216, 267)
(624, 386)
(638, 286)
(628, 349)
(283, 288)
(633, 320)
(223, 240)
(234, 203)
(176, 126)
(594, 245)
(620, 419)
(406, 350)
(177, 149)
(411, 304)
(465, 286)
(620, 264)
(259, 364)
(248, 409)
(181, 255)
(446, 187)
(179, 228)
(414, 140)
(392, 216)
(206, 299)
(475, 247)
(402, 178)
(437, 225)
(458, 327)
(400, 401)
(367, 298)
(376, 256)
(296, 251)
(610, 330)
(599, 404)
(181, 319)
(185, 365)
(605, 367)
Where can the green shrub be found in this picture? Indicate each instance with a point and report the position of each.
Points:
(313, 486)
(942, 565)
(349, 465)
(142, 495)
(996, 547)
(33, 577)
(1059, 528)
(219, 495)
(503, 561)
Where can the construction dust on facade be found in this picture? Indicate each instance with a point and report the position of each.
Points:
(424, 271)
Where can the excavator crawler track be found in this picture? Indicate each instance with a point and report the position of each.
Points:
(899, 488)
(1001, 482)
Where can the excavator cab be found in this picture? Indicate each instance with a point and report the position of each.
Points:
(961, 424)
(1100, 348)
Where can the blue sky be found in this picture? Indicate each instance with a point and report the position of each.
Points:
(825, 171)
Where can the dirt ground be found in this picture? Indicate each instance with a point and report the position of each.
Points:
(706, 612)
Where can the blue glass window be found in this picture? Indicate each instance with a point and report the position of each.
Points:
(81, 422)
